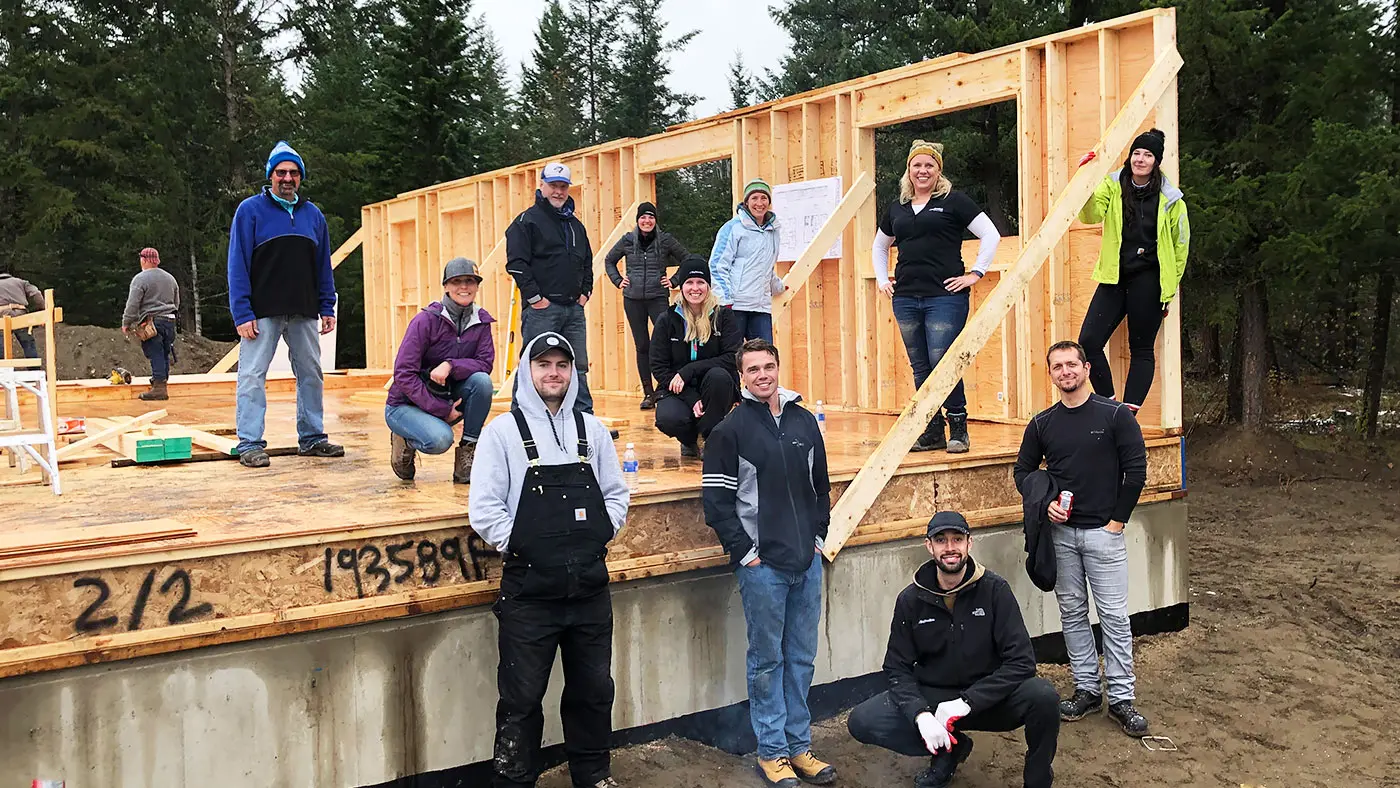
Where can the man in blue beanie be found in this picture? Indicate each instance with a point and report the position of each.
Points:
(280, 286)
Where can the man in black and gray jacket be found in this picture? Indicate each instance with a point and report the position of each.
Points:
(645, 286)
(767, 495)
(548, 254)
(959, 659)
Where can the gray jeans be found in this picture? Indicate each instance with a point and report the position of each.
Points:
(567, 321)
(1100, 559)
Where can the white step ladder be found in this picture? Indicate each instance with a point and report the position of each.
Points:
(29, 443)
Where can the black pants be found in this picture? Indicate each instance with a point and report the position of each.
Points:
(1033, 704)
(1138, 297)
(531, 633)
(639, 311)
(675, 413)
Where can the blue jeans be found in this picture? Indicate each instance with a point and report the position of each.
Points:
(159, 348)
(929, 324)
(783, 611)
(754, 325)
(568, 321)
(27, 348)
(431, 435)
(303, 335)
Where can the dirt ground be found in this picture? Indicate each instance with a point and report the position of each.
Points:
(1285, 677)
(92, 352)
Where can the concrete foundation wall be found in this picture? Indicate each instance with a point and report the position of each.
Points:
(365, 705)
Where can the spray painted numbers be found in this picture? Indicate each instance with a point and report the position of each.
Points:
(374, 568)
(177, 585)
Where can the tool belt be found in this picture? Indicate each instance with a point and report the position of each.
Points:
(13, 310)
(146, 329)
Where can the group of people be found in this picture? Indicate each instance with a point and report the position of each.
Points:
(547, 491)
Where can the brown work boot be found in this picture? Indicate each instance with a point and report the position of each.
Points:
(462, 465)
(401, 457)
(155, 392)
(778, 773)
(812, 770)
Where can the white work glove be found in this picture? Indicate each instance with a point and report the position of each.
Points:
(935, 735)
(950, 711)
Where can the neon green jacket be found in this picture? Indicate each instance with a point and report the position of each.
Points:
(1173, 232)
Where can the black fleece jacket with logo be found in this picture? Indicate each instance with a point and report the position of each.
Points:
(970, 642)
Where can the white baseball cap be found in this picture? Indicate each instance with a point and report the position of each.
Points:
(556, 172)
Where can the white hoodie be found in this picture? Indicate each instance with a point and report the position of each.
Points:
(498, 471)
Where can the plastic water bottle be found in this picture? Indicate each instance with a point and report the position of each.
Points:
(821, 418)
(629, 468)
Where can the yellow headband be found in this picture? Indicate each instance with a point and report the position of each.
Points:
(927, 150)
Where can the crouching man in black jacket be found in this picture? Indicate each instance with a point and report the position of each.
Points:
(959, 660)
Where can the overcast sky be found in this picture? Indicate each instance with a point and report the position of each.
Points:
(725, 26)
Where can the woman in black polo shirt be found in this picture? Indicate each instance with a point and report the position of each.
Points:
(931, 289)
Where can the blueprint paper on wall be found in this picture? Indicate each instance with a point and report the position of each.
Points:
(802, 208)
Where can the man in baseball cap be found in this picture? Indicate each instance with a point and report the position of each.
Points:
(941, 687)
(548, 254)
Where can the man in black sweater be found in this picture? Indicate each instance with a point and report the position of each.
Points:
(1092, 447)
(548, 254)
(959, 659)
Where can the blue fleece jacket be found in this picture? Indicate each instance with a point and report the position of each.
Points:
(279, 261)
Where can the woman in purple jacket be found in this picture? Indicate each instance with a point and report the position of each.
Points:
(442, 375)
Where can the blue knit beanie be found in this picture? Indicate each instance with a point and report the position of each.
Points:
(283, 152)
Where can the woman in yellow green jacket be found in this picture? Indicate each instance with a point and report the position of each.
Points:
(1145, 239)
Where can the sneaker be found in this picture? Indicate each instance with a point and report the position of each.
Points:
(932, 438)
(777, 772)
(1128, 718)
(944, 765)
(607, 782)
(401, 457)
(323, 449)
(1080, 705)
(811, 770)
(254, 458)
(958, 442)
(690, 450)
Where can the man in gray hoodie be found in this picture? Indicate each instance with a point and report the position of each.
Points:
(548, 494)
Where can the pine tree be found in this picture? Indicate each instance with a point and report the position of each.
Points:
(594, 25)
(642, 102)
(549, 116)
(740, 82)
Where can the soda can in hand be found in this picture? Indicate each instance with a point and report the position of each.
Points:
(1066, 501)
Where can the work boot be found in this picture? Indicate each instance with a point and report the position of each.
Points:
(155, 392)
(1128, 718)
(401, 457)
(462, 463)
(778, 773)
(649, 401)
(811, 770)
(944, 765)
(323, 449)
(932, 437)
(958, 442)
(254, 458)
(690, 450)
(1080, 705)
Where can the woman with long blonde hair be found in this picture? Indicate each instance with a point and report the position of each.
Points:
(930, 289)
(692, 358)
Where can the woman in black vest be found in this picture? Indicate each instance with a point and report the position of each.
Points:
(645, 287)
(930, 289)
(692, 357)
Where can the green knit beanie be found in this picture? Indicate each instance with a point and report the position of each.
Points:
(758, 185)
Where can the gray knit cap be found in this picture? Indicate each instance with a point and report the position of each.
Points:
(459, 266)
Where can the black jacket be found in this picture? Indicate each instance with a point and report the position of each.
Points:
(970, 642)
(645, 264)
(548, 254)
(1038, 489)
(672, 355)
(765, 486)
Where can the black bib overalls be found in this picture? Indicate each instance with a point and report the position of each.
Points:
(554, 598)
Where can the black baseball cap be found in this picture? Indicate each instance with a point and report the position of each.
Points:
(548, 341)
(947, 521)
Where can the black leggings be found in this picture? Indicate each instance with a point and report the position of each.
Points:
(1138, 298)
(639, 311)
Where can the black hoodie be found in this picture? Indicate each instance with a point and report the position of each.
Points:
(969, 642)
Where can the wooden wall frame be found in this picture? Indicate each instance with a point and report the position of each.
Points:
(839, 332)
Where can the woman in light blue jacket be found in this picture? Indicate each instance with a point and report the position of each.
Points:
(743, 262)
